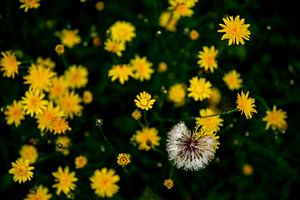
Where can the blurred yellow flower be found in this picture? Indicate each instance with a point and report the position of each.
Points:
(180, 9)
(65, 180)
(29, 4)
(69, 38)
(162, 67)
(199, 89)
(168, 183)
(60, 49)
(147, 138)
(114, 46)
(34, 103)
(9, 64)
(62, 145)
(207, 59)
(120, 72)
(70, 104)
(45, 62)
(168, 21)
(136, 114)
(215, 97)
(76, 76)
(122, 31)
(100, 5)
(233, 80)
(123, 159)
(80, 162)
(245, 104)
(177, 94)
(275, 119)
(143, 101)
(29, 152)
(194, 35)
(21, 170)
(59, 88)
(14, 113)
(59, 126)
(141, 68)
(247, 169)
(210, 124)
(87, 97)
(40, 193)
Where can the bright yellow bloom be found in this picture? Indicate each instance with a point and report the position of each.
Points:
(147, 138)
(233, 80)
(21, 170)
(87, 97)
(177, 94)
(143, 101)
(123, 159)
(39, 77)
(80, 162)
(162, 67)
(9, 64)
(69, 38)
(59, 88)
(247, 169)
(136, 114)
(62, 145)
(122, 31)
(114, 46)
(40, 193)
(215, 97)
(76, 76)
(34, 103)
(235, 30)
(180, 9)
(199, 89)
(168, 21)
(100, 5)
(141, 68)
(29, 152)
(104, 182)
(60, 49)
(168, 183)
(14, 113)
(59, 126)
(194, 35)
(245, 104)
(211, 124)
(207, 59)
(120, 72)
(275, 119)
(29, 4)
(45, 62)
(70, 104)
(65, 180)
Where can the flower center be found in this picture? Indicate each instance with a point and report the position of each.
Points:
(22, 170)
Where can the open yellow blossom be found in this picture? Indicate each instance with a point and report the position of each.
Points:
(136, 114)
(141, 68)
(114, 46)
(162, 67)
(59, 49)
(147, 138)
(80, 162)
(40, 193)
(29, 152)
(69, 38)
(59, 126)
(45, 62)
(76, 76)
(29, 4)
(14, 113)
(70, 104)
(122, 31)
(211, 124)
(39, 77)
(235, 30)
(143, 101)
(233, 80)
(62, 145)
(34, 103)
(168, 21)
(59, 88)
(177, 94)
(87, 97)
(123, 159)
(199, 89)
(21, 170)
(207, 59)
(9, 64)
(104, 182)
(168, 183)
(245, 104)
(65, 180)
(275, 119)
(120, 72)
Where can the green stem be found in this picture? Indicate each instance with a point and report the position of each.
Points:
(145, 118)
(221, 114)
(105, 139)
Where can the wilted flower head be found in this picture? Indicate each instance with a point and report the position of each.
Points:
(191, 150)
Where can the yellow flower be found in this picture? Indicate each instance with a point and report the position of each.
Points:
(104, 182)
(76, 76)
(80, 162)
(275, 119)
(87, 97)
(29, 4)
(40, 193)
(211, 124)
(168, 183)
(162, 67)
(9, 64)
(29, 152)
(114, 46)
(69, 38)
(136, 114)
(245, 104)
(45, 62)
(143, 101)
(34, 103)
(194, 35)
(199, 89)
(123, 159)
(100, 5)
(59, 88)
(120, 72)
(122, 31)
(207, 59)
(180, 9)
(59, 126)
(215, 97)
(62, 145)
(235, 30)
(39, 77)
(14, 113)
(247, 169)
(189, 3)
(60, 49)
(168, 21)
(21, 170)
(141, 68)
(233, 80)
(65, 180)
(70, 104)
(147, 138)
(177, 94)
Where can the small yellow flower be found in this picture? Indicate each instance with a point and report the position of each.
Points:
(21, 170)
(34, 103)
(247, 169)
(147, 138)
(143, 101)
(233, 80)
(40, 193)
(235, 30)
(69, 38)
(62, 145)
(29, 152)
(136, 114)
(29, 4)
(168, 21)
(70, 104)
(120, 72)
(9, 64)
(59, 88)
(275, 119)
(207, 59)
(104, 182)
(122, 31)
(45, 62)
(177, 94)
(141, 68)
(180, 9)
(245, 104)
(194, 35)
(100, 5)
(87, 97)
(162, 67)
(114, 46)
(14, 113)
(80, 162)
(199, 89)
(76, 76)
(123, 159)
(211, 124)
(97, 41)
(60, 49)
(65, 180)
(168, 183)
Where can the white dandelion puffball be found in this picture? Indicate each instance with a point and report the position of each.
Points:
(190, 150)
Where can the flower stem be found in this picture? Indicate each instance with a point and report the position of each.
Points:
(105, 139)
(221, 114)
(145, 118)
